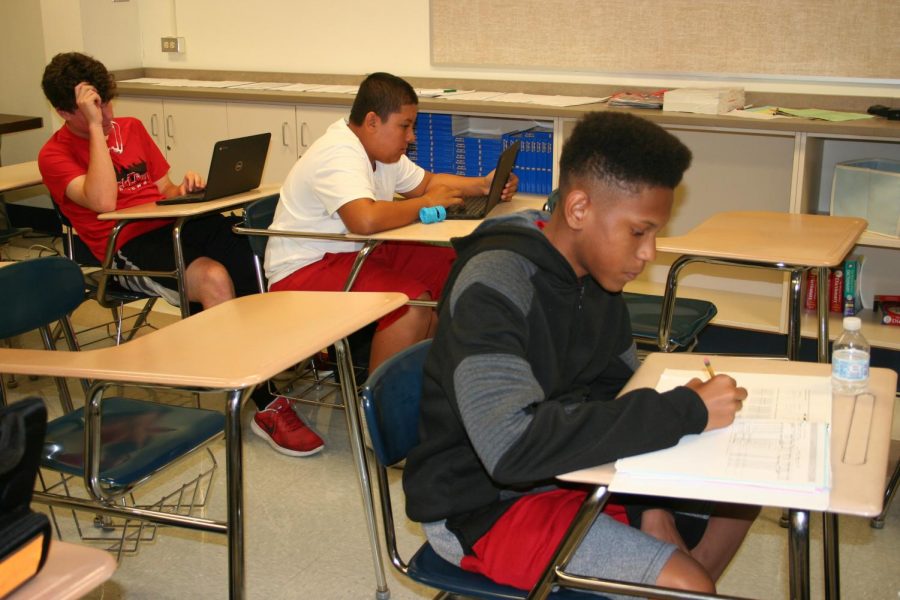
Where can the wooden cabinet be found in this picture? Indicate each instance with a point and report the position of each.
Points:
(312, 121)
(185, 130)
(248, 118)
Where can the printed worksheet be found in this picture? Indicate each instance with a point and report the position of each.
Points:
(782, 397)
(777, 452)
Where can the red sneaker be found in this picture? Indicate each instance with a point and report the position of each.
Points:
(280, 426)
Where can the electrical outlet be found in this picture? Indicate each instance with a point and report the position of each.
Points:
(172, 44)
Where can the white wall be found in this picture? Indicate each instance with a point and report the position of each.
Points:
(21, 64)
(31, 32)
(332, 36)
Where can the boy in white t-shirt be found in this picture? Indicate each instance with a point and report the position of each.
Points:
(347, 182)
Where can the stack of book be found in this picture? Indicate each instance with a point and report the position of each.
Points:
(433, 149)
(638, 99)
(475, 154)
(844, 287)
(534, 165)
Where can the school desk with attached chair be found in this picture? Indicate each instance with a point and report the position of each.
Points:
(179, 212)
(859, 442)
(230, 348)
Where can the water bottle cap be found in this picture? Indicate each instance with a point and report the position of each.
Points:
(852, 323)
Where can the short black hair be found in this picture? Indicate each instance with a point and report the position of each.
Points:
(622, 150)
(383, 94)
(68, 69)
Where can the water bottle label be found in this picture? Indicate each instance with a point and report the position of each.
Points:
(848, 369)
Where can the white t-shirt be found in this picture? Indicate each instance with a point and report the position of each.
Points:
(335, 170)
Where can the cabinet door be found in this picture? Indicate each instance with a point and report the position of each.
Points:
(148, 110)
(246, 118)
(312, 121)
(191, 129)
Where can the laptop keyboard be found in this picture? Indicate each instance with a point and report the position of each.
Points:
(472, 206)
(185, 199)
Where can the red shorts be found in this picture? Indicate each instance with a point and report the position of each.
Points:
(413, 269)
(521, 543)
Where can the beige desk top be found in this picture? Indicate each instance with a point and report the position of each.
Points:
(770, 237)
(234, 345)
(445, 230)
(71, 571)
(857, 489)
(20, 175)
(170, 211)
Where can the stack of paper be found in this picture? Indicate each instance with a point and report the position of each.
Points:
(777, 452)
(710, 101)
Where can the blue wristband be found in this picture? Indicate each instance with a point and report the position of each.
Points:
(432, 214)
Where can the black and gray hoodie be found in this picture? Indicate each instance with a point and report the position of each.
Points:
(521, 381)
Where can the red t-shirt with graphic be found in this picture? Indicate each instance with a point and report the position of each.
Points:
(138, 167)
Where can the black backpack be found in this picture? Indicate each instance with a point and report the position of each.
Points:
(24, 534)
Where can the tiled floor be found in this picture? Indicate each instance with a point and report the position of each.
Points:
(306, 536)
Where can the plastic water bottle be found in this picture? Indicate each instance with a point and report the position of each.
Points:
(850, 359)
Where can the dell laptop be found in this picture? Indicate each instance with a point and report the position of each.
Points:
(478, 207)
(236, 166)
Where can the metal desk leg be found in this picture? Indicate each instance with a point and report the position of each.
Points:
(667, 311)
(832, 560)
(798, 554)
(361, 257)
(793, 342)
(234, 485)
(822, 310)
(352, 411)
(180, 268)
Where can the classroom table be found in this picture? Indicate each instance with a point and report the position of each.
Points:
(19, 175)
(860, 440)
(71, 571)
(232, 348)
(771, 240)
(179, 212)
(13, 124)
(14, 177)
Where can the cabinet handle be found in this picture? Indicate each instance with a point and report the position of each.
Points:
(170, 127)
(303, 128)
(154, 124)
(284, 134)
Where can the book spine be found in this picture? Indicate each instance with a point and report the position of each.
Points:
(836, 290)
(812, 291)
(852, 304)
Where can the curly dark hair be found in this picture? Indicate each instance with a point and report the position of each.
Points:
(623, 150)
(383, 94)
(68, 69)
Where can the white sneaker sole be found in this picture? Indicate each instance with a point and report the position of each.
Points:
(281, 449)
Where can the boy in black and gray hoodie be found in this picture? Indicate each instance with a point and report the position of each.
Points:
(521, 382)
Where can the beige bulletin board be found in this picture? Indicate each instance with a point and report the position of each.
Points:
(845, 39)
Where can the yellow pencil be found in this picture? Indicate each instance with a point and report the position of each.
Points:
(709, 368)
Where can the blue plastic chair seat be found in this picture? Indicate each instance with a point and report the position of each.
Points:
(139, 438)
(390, 401)
(688, 320)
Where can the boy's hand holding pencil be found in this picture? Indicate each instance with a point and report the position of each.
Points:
(721, 395)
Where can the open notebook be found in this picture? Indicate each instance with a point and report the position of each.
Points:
(776, 453)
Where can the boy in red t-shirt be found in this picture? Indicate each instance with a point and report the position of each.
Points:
(94, 164)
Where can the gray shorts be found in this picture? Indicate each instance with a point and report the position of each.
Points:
(610, 550)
